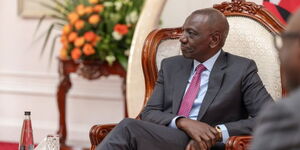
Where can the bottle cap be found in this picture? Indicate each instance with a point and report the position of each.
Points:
(27, 112)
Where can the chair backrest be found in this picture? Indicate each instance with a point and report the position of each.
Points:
(251, 35)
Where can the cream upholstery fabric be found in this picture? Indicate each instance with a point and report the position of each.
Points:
(250, 39)
(246, 38)
(166, 49)
(135, 85)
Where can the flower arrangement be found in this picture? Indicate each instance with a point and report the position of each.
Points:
(95, 29)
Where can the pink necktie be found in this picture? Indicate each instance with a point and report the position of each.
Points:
(191, 93)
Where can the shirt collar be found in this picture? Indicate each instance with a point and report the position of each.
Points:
(208, 64)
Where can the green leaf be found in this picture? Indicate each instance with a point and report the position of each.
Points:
(47, 38)
(56, 10)
(59, 17)
(123, 61)
(53, 47)
(75, 3)
(58, 25)
(36, 39)
(60, 4)
(39, 24)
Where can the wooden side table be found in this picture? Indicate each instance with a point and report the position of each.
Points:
(87, 69)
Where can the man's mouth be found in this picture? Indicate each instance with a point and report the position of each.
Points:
(185, 49)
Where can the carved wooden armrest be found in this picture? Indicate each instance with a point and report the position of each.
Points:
(238, 142)
(98, 133)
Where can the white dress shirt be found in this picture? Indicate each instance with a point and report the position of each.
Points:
(203, 89)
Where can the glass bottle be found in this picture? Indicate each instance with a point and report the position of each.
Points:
(26, 141)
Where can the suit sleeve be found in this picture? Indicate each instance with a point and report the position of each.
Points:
(153, 112)
(254, 96)
(276, 129)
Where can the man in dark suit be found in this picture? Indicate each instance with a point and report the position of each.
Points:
(279, 124)
(200, 98)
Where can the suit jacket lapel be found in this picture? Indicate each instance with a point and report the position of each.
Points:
(215, 82)
(181, 80)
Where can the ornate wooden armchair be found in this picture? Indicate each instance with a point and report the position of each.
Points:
(251, 35)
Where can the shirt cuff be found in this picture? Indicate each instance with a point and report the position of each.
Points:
(225, 134)
(173, 122)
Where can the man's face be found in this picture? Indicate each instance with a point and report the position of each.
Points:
(196, 37)
(289, 56)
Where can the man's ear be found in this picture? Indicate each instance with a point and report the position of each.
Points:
(215, 40)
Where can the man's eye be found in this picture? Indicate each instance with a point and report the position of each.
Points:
(191, 33)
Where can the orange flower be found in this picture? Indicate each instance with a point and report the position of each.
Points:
(79, 41)
(88, 49)
(121, 29)
(94, 19)
(93, 1)
(80, 9)
(64, 40)
(97, 39)
(72, 36)
(73, 17)
(79, 24)
(88, 9)
(63, 54)
(98, 8)
(89, 36)
(67, 29)
(76, 53)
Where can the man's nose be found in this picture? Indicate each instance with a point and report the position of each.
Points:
(183, 39)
